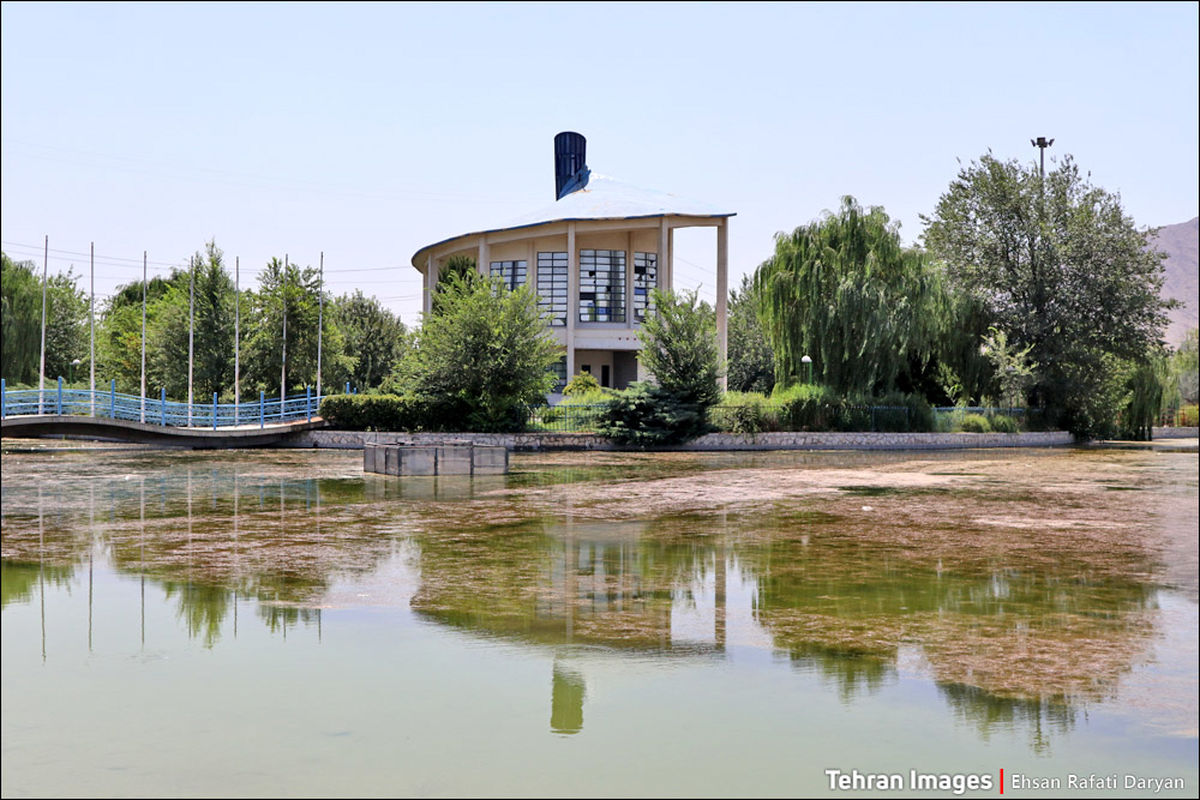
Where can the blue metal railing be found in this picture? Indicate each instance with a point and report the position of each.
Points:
(111, 404)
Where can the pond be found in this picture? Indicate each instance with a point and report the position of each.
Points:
(275, 622)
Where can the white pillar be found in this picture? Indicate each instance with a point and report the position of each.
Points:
(430, 283)
(664, 259)
(628, 284)
(484, 266)
(572, 297)
(723, 297)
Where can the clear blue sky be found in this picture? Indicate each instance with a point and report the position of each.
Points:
(368, 131)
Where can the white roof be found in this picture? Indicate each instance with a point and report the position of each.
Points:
(601, 198)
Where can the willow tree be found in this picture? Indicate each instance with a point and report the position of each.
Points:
(845, 292)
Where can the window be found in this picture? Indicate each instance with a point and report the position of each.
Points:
(601, 285)
(552, 286)
(645, 278)
(511, 272)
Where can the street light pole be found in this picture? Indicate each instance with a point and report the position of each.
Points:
(1042, 143)
(807, 362)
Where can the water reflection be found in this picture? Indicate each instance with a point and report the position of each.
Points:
(1014, 625)
(566, 700)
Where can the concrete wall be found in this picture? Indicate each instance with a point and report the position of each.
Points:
(713, 441)
(1175, 433)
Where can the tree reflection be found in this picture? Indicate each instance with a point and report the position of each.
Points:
(566, 700)
(1016, 625)
(18, 580)
(202, 608)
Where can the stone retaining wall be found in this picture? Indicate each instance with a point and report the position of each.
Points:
(1175, 433)
(713, 441)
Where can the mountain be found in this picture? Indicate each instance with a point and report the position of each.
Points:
(1180, 242)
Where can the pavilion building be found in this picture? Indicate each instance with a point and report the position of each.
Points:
(592, 258)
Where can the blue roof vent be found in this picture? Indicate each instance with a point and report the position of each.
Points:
(570, 163)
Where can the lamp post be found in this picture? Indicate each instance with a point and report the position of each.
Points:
(807, 362)
(1042, 143)
(71, 371)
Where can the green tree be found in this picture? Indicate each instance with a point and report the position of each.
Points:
(751, 362)
(214, 323)
(211, 329)
(21, 320)
(1059, 266)
(375, 338)
(456, 268)
(1185, 364)
(1014, 372)
(482, 357)
(66, 324)
(679, 348)
(292, 292)
(1144, 398)
(844, 292)
(21, 310)
(119, 334)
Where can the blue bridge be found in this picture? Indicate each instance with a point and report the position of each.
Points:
(82, 413)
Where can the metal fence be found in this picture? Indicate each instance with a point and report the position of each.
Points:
(156, 410)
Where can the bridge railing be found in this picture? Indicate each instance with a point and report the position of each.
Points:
(112, 404)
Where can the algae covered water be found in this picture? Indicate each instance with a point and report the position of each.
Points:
(279, 623)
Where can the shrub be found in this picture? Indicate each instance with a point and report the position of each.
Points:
(1189, 415)
(645, 415)
(975, 423)
(1002, 423)
(583, 383)
(903, 413)
(745, 412)
(807, 407)
(373, 412)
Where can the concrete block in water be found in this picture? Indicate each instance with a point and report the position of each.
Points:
(454, 460)
(416, 460)
(391, 461)
(489, 460)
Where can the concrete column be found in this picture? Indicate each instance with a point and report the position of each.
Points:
(671, 259)
(723, 296)
(663, 258)
(572, 297)
(628, 282)
(430, 283)
(483, 265)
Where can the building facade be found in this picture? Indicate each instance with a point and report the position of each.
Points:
(592, 258)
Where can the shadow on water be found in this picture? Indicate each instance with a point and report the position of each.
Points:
(1019, 616)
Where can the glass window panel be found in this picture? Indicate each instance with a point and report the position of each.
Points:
(512, 273)
(552, 286)
(602, 283)
(645, 278)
